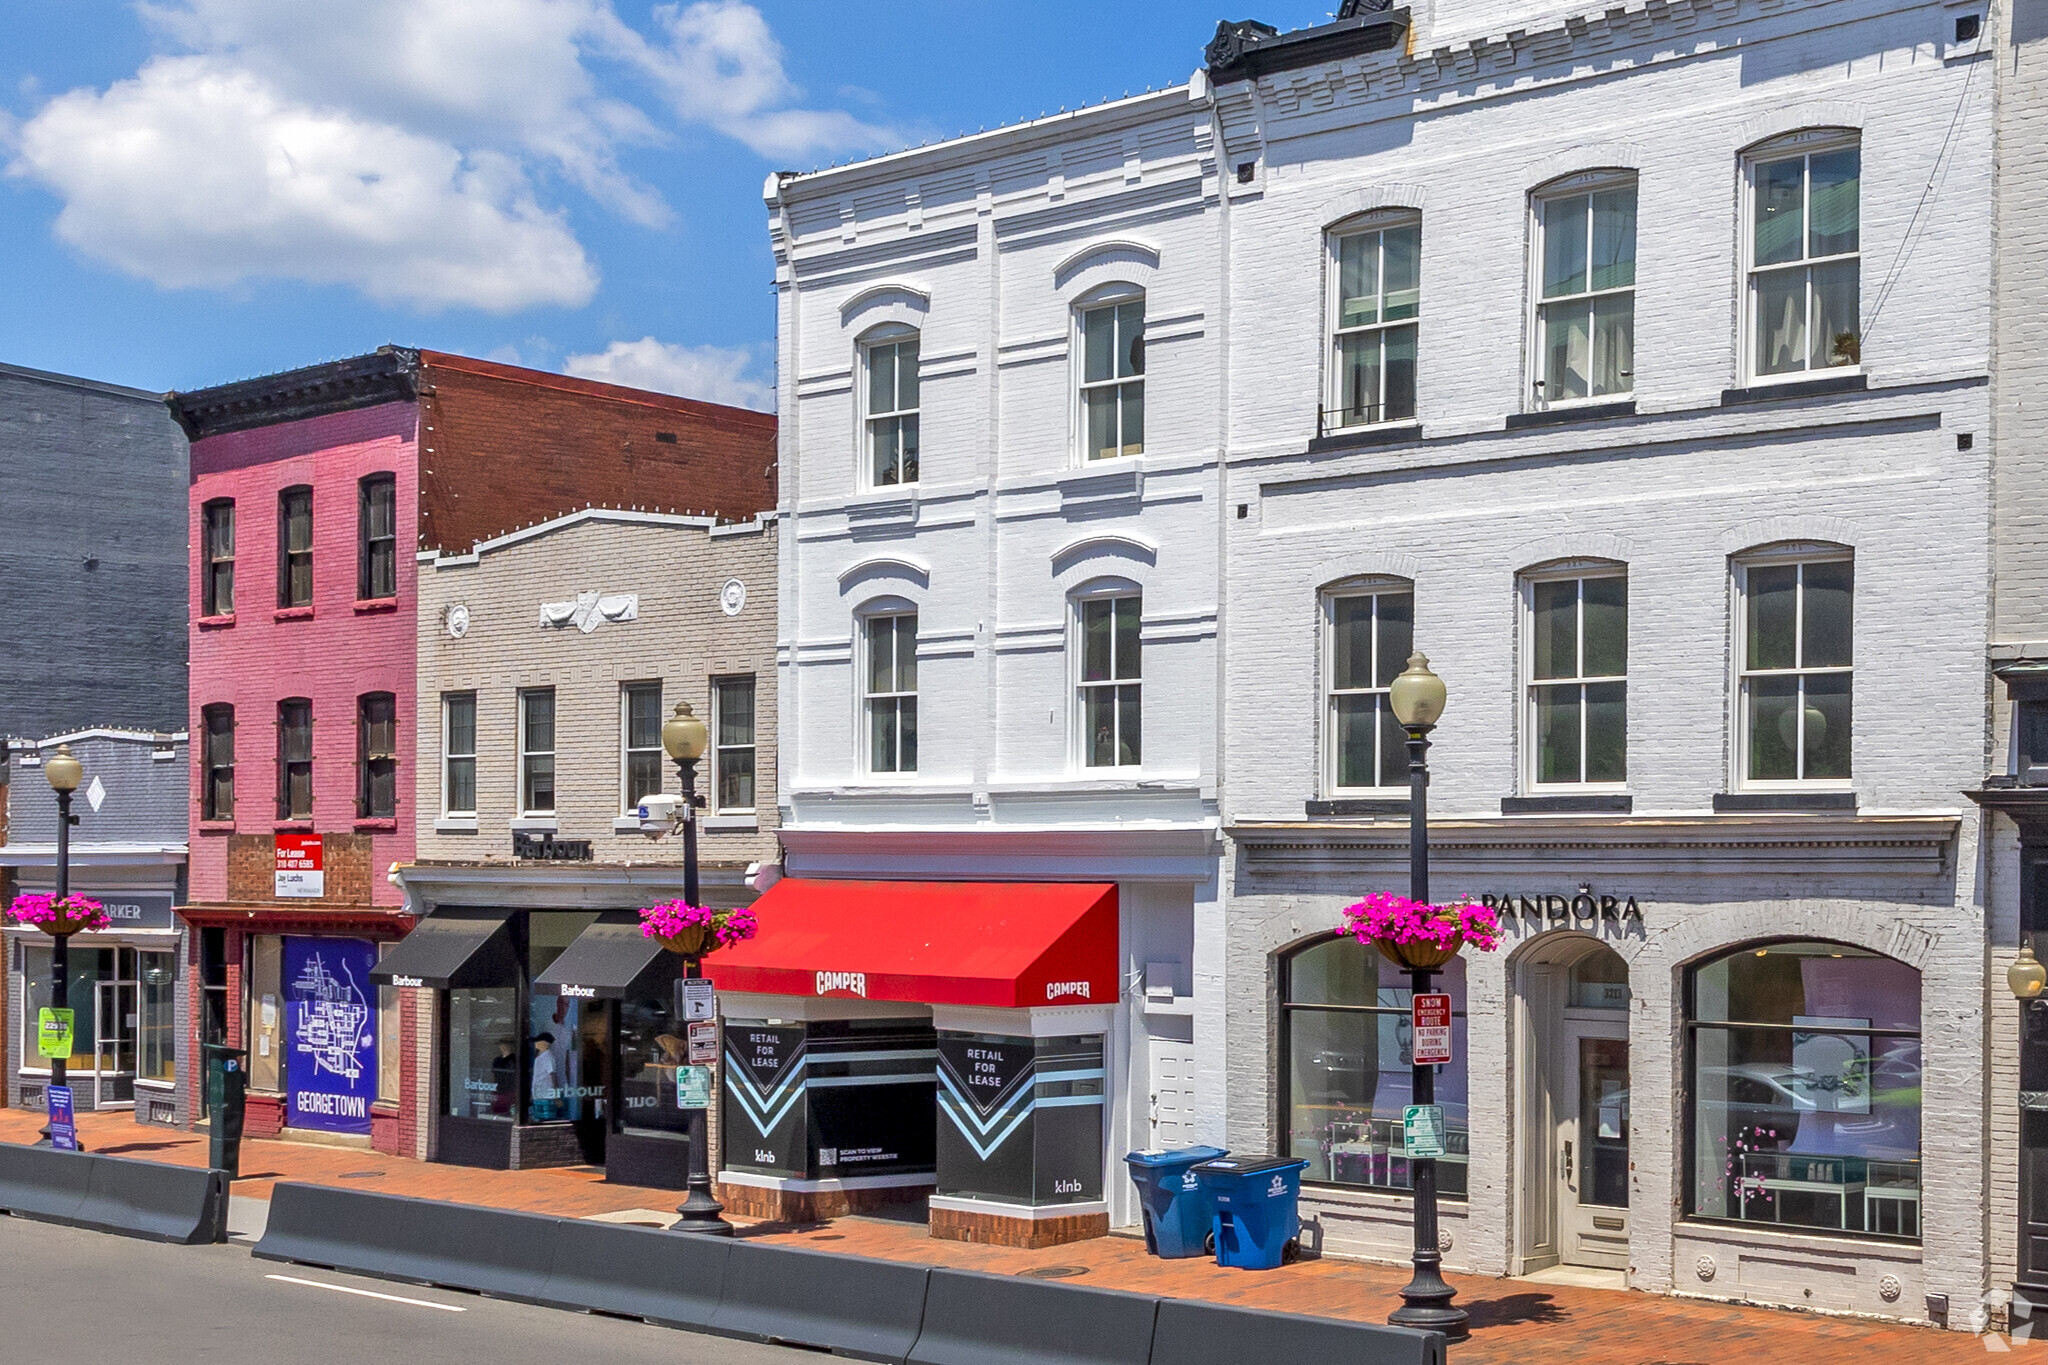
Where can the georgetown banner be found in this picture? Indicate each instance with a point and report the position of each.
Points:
(330, 1033)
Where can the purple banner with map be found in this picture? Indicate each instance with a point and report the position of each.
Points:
(330, 1035)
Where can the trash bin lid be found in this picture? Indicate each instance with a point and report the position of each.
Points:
(1176, 1156)
(1252, 1165)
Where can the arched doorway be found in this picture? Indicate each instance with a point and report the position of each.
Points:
(1572, 1050)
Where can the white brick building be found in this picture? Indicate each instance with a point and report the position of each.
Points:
(1634, 366)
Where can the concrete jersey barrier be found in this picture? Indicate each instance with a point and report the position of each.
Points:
(850, 1306)
(182, 1204)
(421, 1241)
(976, 1319)
(1190, 1332)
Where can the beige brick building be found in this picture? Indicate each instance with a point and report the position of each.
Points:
(548, 659)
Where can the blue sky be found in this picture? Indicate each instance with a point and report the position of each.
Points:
(196, 191)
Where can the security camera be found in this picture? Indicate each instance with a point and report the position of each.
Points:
(657, 815)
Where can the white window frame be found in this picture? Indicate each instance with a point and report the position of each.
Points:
(1333, 304)
(1374, 588)
(526, 695)
(882, 338)
(1078, 688)
(719, 748)
(867, 698)
(626, 751)
(1778, 557)
(1576, 571)
(1806, 144)
(1581, 186)
(1111, 297)
(448, 754)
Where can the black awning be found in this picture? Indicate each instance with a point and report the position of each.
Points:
(610, 960)
(453, 949)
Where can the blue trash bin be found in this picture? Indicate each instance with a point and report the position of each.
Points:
(1177, 1207)
(1257, 1223)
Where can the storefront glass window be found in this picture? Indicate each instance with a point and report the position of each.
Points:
(159, 1023)
(652, 1047)
(1348, 1068)
(565, 1038)
(1805, 1079)
(88, 966)
(483, 1053)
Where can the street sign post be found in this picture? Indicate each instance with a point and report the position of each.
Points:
(1431, 1017)
(1422, 1131)
(63, 1122)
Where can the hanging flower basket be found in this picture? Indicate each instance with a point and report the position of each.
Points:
(1420, 937)
(694, 930)
(57, 918)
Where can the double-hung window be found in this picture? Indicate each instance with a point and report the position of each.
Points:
(217, 757)
(1110, 683)
(1113, 379)
(1796, 695)
(295, 759)
(295, 547)
(639, 743)
(1804, 262)
(1586, 305)
(732, 756)
(458, 753)
(891, 693)
(892, 410)
(1577, 724)
(376, 756)
(1376, 285)
(537, 751)
(377, 537)
(217, 568)
(1370, 633)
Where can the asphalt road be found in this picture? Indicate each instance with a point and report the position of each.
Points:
(69, 1297)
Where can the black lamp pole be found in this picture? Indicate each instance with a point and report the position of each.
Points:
(62, 772)
(700, 1211)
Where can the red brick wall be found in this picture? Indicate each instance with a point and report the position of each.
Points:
(347, 877)
(501, 447)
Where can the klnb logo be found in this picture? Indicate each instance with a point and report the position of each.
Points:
(1055, 989)
(855, 982)
(580, 992)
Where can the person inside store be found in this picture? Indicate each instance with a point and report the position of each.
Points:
(504, 1076)
(546, 1080)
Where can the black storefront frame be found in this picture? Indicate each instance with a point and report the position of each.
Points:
(1692, 1024)
(1283, 1122)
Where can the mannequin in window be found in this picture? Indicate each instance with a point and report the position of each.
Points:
(547, 1080)
(504, 1068)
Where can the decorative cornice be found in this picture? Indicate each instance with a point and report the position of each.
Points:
(1246, 50)
(390, 374)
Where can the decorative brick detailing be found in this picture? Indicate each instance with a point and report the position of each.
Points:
(811, 1206)
(1029, 1234)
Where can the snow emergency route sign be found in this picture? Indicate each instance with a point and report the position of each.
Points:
(1432, 1020)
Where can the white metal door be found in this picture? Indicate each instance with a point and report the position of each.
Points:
(1173, 1093)
(1592, 1149)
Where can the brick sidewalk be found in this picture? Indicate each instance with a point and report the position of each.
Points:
(1514, 1321)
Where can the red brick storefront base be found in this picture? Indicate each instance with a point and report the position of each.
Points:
(1029, 1234)
(263, 1117)
(809, 1206)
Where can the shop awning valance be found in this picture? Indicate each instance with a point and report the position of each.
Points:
(453, 950)
(1009, 945)
(610, 960)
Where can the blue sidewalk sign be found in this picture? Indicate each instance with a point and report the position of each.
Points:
(63, 1126)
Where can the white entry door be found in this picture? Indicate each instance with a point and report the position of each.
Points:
(1592, 1143)
(1173, 1093)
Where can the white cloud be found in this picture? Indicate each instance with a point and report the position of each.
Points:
(714, 374)
(197, 172)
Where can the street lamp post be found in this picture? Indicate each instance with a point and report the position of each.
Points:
(1417, 697)
(63, 774)
(685, 738)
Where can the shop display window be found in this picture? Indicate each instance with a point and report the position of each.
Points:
(1805, 1085)
(1348, 1068)
(483, 1053)
(88, 966)
(653, 1047)
(158, 1029)
(566, 1039)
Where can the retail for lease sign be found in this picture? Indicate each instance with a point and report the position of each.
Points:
(299, 868)
(1432, 1020)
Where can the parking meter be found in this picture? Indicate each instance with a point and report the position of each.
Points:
(227, 1093)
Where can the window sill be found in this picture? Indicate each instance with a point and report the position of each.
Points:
(455, 824)
(1745, 803)
(533, 824)
(1361, 438)
(1569, 803)
(1353, 807)
(370, 606)
(1770, 391)
(731, 822)
(292, 614)
(215, 622)
(216, 826)
(1561, 414)
(160, 1087)
(374, 824)
(304, 826)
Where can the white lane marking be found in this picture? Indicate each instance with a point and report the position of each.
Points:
(367, 1293)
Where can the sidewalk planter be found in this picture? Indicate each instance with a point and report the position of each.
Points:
(1257, 1223)
(1176, 1205)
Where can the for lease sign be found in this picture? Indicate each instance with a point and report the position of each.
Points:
(299, 869)
(1432, 1020)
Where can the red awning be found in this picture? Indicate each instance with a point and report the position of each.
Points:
(1010, 945)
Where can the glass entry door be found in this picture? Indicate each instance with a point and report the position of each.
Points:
(1592, 1167)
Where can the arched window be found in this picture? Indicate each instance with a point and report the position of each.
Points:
(1796, 703)
(890, 415)
(1804, 1073)
(888, 663)
(1375, 271)
(1576, 661)
(1585, 288)
(1111, 375)
(1803, 251)
(1368, 633)
(1346, 1063)
(1109, 678)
